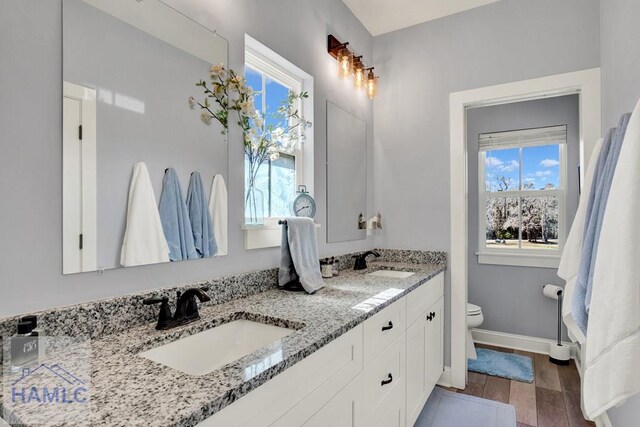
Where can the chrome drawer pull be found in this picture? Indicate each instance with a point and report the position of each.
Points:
(387, 381)
(390, 326)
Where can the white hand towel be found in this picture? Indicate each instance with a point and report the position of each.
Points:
(570, 261)
(144, 241)
(218, 208)
(612, 362)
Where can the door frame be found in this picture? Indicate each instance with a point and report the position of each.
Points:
(87, 97)
(586, 84)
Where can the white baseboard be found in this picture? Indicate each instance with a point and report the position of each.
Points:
(518, 342)
(445, 378)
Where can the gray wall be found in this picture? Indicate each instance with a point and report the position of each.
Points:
(30, 134)
(511, 297)
(620, 44)
(506, 41)
(620, 58)
(117, 59)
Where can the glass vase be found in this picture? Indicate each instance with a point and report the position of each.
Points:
(254, 206)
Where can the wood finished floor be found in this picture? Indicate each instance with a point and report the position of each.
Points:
(552, 400)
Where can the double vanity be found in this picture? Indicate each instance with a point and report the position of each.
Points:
(365, 350)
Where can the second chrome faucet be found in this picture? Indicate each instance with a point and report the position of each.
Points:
(186, 308)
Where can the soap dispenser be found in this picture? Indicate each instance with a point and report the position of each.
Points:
(24, 347)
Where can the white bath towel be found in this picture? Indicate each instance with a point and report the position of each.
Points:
(570, 261)
(612, 361)
(144, 241)
(218, 208)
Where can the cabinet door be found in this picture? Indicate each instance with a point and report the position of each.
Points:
(435, 345)
(344, 410)
(416, 368)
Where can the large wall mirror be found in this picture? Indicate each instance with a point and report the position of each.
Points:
(346, 175)
(129, 68)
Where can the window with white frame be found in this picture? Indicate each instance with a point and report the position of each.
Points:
(278, 179)
(522, 189)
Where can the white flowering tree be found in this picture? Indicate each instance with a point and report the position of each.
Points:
(537, 217)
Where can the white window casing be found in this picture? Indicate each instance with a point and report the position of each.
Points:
(265, 61)
(543, 258)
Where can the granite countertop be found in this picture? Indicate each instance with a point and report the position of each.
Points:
(129, 390)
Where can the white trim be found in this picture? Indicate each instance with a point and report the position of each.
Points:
(263, 236)
(89, 197)
(543, 258)
(283, 70)
(587, 84)
(445, 378)
(266, 61)
(519, 259)
(518, 342)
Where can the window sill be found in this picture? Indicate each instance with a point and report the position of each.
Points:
(263, 236)
(519, 259)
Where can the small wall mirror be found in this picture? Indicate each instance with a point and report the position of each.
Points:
(129, 68)
(346, 175)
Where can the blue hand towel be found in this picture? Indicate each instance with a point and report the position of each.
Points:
(597, 203)
(175, 219)
(200, 218)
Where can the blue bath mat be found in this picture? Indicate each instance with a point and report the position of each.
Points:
(505, 365)
(447, 409)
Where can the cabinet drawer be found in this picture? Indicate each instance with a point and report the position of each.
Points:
(385, 375)
(383, 328)
(424, 297)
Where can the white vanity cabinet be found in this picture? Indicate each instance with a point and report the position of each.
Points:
(425, 345)
(378, 374)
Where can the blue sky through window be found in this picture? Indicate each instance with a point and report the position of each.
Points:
(276, 179)
(540, 168)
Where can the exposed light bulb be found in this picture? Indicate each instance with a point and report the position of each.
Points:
(345, 62)
(371, 86)
(358, 76)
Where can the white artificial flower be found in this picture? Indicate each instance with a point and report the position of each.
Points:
(206, 117)
(277, 133)
(216, 70)
(192, 102)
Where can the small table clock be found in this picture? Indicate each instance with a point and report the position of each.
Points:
(304, 205)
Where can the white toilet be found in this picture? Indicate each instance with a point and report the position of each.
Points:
(474, 320)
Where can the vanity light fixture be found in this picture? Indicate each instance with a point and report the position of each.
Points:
(351, 65)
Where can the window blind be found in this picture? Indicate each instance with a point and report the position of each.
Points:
(523, 138)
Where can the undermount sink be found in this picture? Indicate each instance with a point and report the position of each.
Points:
(204, 352)
(393, 274)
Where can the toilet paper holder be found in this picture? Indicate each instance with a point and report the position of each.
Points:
(558, 353)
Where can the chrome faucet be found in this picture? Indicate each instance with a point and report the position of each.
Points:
(186, 308)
